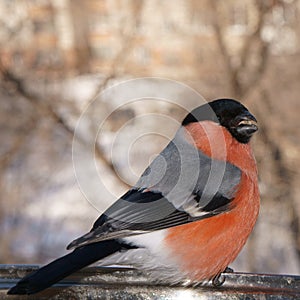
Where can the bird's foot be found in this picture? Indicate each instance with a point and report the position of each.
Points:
(219, 279)
(228, 270)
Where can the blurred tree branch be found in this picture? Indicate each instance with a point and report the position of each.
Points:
(81, 35)
(128, 38)
(45, 110)
(238, 86)
(236, 50)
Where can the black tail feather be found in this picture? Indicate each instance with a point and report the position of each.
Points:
(64, 266)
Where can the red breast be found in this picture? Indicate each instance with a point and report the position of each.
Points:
(205, 248)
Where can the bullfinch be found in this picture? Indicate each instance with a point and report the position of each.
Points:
(189, 214)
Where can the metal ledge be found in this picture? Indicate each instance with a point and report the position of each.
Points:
(122, 283)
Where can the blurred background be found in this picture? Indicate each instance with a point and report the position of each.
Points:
(57, 55)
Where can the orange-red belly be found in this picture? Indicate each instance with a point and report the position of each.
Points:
(205, 248)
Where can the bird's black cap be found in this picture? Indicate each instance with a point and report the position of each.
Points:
(229, 113)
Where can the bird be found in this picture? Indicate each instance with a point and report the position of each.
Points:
(189, 214)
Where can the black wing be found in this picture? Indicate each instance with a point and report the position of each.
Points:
(180, 186)
(140, 212)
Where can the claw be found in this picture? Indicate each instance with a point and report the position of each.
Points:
(219, 279)
(228, 270)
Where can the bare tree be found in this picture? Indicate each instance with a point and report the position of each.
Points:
(231, 55)
(44, 109)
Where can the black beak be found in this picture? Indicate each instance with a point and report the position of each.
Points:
(245, 124)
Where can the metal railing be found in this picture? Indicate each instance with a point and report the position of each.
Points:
(125, 283)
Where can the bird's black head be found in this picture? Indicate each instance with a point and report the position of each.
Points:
(229, 113)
